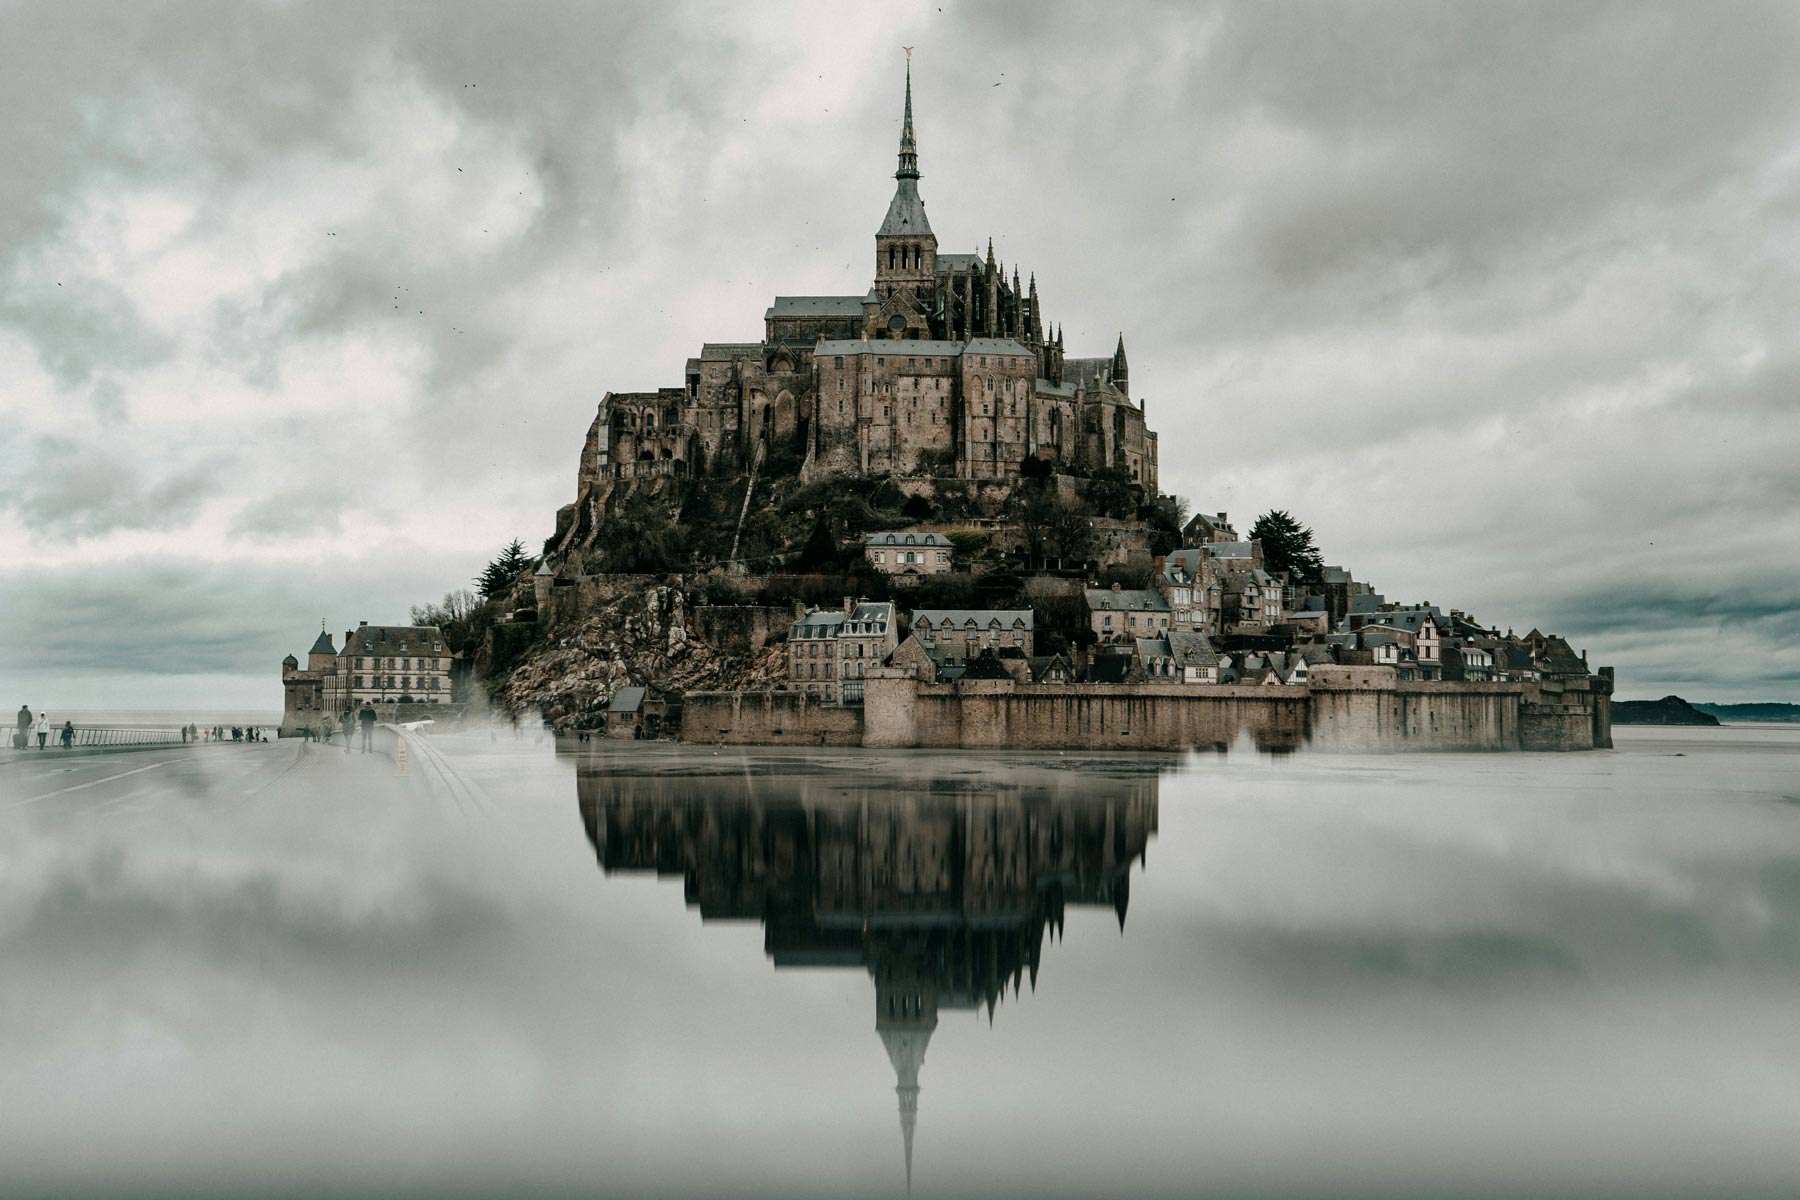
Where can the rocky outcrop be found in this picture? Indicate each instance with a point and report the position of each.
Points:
(645, 639)
(1670, 710)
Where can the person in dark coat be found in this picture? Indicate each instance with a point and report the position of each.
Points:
(24, 727)
(367, 718)
(68, 734)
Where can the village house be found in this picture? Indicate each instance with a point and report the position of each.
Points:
(1205, 528)
(1121, 614)
(905, 556)
(1181, 656)
(956, 635)
(379, 664)
(1189, 584)
(830, 650)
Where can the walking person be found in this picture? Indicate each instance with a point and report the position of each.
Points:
(367, 717)
(43, 729)
(24, 738)
(329, 726)
(68, 734)
(349, 724)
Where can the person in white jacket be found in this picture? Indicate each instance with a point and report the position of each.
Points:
(43, 729)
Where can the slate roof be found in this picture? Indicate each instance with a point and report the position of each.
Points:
(820, 623)
(1186, 561)
(1336, 575)
(816, 306)
(1149, 648)
(323, 644)
(906, 211)
(394, 639)
(1191, 649)
(867, 613)
(909, 347)
(1088, 373)
(984, 618)
(1124, 600)
(626, 700)
(956, 264)
(1231, 549)
(893, 538)
(1043, 663)
(715, 351)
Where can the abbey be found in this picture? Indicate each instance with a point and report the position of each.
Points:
(943, 367)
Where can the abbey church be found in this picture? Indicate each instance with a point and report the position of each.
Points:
(945, 367)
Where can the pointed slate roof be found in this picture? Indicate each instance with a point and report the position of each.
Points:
(323, 645)
(906, 212)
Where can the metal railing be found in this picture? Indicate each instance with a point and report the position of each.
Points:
(853, 691)
(104, 737)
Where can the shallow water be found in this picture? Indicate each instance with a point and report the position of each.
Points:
(649, 969)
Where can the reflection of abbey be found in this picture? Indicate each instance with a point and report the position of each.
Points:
(943, 367)
(942, 890)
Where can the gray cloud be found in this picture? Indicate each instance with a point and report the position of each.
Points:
(65, 489)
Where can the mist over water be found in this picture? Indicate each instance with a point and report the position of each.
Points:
(646, 969)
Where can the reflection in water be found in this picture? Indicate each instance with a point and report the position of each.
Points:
(940, 887)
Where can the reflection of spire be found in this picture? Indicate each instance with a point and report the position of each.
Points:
(905, 1015)
(906, 1050)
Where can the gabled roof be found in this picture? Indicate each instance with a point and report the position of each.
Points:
(956, 264)
(323, 644)
(1149, 648)
(816, 306)
(1191, 649)
(626, 700)
(1231, 549)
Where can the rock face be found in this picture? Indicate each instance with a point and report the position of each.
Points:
(1670, 710)
(642, 640)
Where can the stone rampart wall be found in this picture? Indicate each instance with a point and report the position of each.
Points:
(1377, 713)
(1001, 713)
(768, 719)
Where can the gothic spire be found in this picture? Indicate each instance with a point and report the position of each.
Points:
(909, 150)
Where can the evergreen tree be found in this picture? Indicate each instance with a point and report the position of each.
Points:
(503, 571)
(1287, 545)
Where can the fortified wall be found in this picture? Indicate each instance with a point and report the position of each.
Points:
(1343, 709)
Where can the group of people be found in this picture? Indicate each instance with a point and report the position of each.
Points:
(41, 726)
(364, 717)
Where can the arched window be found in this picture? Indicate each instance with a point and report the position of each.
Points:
(890, 258)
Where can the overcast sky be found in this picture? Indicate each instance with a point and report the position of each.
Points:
(305, 309)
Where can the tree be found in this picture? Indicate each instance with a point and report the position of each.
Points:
(821, 549)
(503, 571)
(454, 607)
(1287, 545)
(917, 507)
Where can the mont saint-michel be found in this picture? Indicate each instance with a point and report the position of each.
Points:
(908, 516)
(952, 599)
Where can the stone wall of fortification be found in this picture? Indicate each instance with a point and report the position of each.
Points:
(1001, 713)
(1367, 708)
(768, 719)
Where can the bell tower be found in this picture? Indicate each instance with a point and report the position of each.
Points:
(905, 247)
